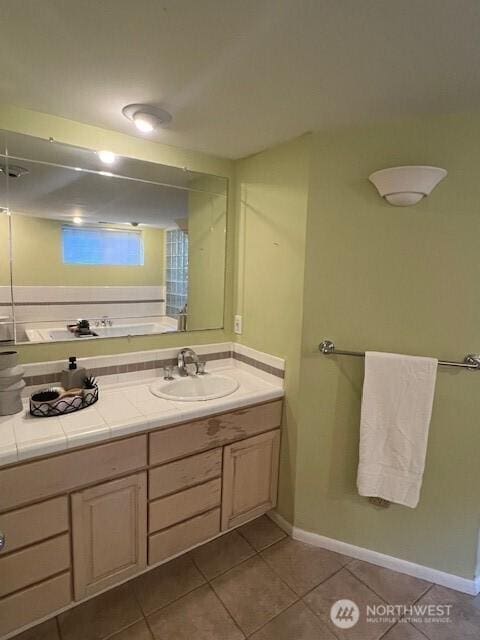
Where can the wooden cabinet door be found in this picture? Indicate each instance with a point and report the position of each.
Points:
(250, 478)
(109, 524)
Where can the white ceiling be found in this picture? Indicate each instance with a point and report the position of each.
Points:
(62, 194)
(241, 75)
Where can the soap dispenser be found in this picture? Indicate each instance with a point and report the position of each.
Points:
(73, 377)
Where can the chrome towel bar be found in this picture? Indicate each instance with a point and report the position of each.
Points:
(471, 360)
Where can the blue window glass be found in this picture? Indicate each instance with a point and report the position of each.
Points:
(102, 247)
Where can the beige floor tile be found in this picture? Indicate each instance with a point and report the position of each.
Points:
(262, 532)
(464, 615)
(45, 631)
(138, 631)
(197, 616)
(394, 587)
(302, 566)
(253, 594)
(296, 623)
(102, 616)
(344, 586)
(166, 583)
(222, 554)
(404, 631)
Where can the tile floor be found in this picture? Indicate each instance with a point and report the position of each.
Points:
(258, 583)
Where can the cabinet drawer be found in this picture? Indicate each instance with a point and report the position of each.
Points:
(186, 439)
(24, 607)
(32, 564)
(182, 536)
(181, 474)
(36, 480)
(168, 511)
(32, 524)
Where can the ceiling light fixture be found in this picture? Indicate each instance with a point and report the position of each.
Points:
(404, 186)
(107, 157)
(77, 220)
(145, 117)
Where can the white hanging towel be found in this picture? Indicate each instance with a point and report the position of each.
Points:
(396, 410)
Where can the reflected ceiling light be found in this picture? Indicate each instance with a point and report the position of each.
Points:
(108, 157)
(109, 174)
(404, 186)
(77, 220)
(145, 117)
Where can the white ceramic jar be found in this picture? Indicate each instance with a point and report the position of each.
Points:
(11, 383)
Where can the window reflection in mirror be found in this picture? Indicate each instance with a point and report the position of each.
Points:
(135, 250)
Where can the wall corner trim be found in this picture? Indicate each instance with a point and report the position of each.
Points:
(477, 585)
(449, 580)
(281, 522)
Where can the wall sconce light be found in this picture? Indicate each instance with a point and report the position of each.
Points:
(404, 186)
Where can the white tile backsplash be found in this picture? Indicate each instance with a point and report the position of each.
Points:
(88, 294)
(266, 358)
(93, 302)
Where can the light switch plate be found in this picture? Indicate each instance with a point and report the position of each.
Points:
(237, 324)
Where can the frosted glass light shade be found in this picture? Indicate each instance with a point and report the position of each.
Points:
(146, 118)
(404, 186)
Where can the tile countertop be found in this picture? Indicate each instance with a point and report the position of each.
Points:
(122, 409)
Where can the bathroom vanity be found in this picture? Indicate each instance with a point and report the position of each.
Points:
(78, 522)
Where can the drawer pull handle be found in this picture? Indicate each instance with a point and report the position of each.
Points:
(3, 541)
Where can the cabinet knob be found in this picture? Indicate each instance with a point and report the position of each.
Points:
(3, 541)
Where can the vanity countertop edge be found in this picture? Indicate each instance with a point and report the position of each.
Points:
(123, 409)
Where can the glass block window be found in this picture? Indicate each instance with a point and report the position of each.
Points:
(112, 247)
(176, 264)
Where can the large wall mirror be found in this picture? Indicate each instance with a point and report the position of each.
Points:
(95, 245)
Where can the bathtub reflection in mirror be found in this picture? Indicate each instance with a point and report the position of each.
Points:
(107, 250)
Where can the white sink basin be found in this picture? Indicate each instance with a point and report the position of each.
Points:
(195, 388)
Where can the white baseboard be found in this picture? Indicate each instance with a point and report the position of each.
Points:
(449, 580)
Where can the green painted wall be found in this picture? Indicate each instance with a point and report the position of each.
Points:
(207, 222)
(392, 279)
(375, 277)
(4, 251)
(37, 258)
(271, 205)
(76, 133)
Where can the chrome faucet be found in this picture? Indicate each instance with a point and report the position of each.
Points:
(104, 322)
(187, 362)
